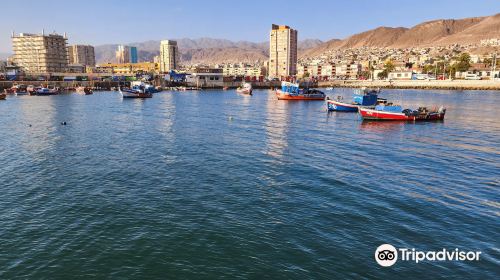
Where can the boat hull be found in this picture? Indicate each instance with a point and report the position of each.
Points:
(370, 114)
(341, 107)
(130, 94)
(3, 96)
(47, 93)
(308, 97)
(244, 91)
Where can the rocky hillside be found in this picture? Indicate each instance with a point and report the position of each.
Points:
(436, 32)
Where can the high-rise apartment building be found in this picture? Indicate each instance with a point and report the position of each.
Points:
(169, 55)
(40, 53)
(126, 54)
(282, 51)
(81, 54)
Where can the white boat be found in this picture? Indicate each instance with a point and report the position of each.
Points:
(148, 88)
(84, 90)
(135, 92)
(246, 88)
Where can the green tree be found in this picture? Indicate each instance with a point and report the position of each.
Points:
(463, 63)
(389, 66)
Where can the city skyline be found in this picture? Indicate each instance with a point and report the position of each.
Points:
(180, 20)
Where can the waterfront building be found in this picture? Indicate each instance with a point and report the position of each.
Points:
(81, 54)
(206, 77)
(126, 54)
(169, 55)
(400, 75)
(133, 68)
(76, 68)
(40, 53)
(243, 70)
(282, 52)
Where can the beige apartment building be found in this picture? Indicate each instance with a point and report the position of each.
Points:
(40, 53)
(81, 54)
(169, 55)
(282, 52)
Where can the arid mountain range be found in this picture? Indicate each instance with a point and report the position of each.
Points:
(431, 33)
(203, 50)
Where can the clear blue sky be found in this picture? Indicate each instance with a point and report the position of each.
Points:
(111, 21)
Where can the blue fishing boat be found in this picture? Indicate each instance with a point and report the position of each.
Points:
(365, 98)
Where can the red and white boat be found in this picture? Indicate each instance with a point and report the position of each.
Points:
(395, 113)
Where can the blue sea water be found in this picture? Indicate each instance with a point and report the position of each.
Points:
(216, 185)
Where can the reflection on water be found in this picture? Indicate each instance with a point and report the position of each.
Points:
(277, 124)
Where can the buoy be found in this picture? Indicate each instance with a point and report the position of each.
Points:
(63, 123)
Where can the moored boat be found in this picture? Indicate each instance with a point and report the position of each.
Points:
(365, 97)
(146, 87)
(396, 113)
(134, 92)
(17, 90)
(43, 91)
(246, 88)
(84, 90)
(31, 89)
(291, 91)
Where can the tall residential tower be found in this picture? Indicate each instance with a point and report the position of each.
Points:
(40, 53)
(282, 52)
(126, 54)
(169, 55)
(81, 54)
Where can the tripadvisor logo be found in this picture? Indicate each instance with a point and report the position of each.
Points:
(387, 255)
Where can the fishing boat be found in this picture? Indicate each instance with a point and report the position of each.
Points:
(17, 90)
(246, 88)
(147, 87)
(84, 90)
(135, 92)
(329, 88)
(291, 91)
(3, 96)
(396, 113)
(31, 89)
(43, 91)
(364, 97)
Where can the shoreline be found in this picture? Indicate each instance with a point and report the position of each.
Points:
(417, 84)
(397, 84)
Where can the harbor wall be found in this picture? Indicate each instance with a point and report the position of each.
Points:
(61, 84)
